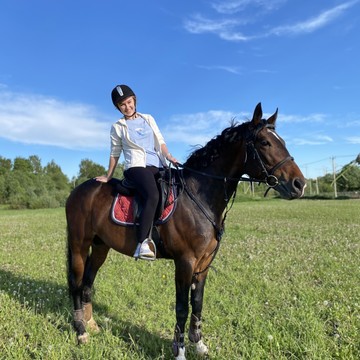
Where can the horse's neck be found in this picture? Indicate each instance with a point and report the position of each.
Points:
(216, 183)
(213, 190)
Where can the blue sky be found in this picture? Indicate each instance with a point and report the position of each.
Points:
(194, 65)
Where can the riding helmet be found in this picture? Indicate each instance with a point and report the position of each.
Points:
(120, 93)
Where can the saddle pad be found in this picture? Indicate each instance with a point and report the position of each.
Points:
(122, 210)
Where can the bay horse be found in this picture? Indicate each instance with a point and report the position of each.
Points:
(192, 235)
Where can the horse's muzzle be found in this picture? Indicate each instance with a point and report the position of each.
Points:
(293, 189)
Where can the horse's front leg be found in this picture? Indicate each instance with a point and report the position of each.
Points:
(197, 297)
(183, 276)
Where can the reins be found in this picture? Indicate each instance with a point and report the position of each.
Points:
(223, 178)
(270, 180)
(219, 230)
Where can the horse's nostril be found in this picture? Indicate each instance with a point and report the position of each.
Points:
(298, 184)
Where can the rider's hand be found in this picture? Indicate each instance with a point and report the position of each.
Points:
(173, 160)
(102, 178)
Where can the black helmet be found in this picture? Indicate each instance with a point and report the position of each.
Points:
(120, 93)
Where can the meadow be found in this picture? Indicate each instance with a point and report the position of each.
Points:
(284, 285)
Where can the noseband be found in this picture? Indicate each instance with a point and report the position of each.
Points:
(270, 179)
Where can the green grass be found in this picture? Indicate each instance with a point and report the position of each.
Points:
(285, 285)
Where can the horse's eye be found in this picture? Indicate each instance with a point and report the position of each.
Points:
(264, 143)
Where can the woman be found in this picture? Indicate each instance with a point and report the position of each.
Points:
(139, 138)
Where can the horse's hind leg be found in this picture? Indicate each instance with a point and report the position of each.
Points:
(94, 261)
(76, 265)
(197, 296)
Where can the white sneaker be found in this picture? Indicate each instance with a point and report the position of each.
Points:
(144, 252)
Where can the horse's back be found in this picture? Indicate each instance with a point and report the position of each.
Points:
(81, 194)
(86, 197)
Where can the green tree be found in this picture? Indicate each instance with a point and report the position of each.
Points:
(28, 185)
(119, 171)
(57, 184)
(23, 165)
(57, 177)
(5, 165)
(88, 170)
(5, 168)
(2, 188)
(35, 164)
(19, 189)
(349, 178)
(325, 184)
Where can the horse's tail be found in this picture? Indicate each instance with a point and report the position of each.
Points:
(79, 198)
(69, 271)
(69, 206)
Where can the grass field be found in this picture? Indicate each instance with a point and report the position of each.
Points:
(285, 285)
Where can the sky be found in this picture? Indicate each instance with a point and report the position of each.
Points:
(194, 65)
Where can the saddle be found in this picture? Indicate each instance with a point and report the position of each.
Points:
(127, 206)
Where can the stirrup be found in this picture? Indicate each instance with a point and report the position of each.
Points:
(137, 255)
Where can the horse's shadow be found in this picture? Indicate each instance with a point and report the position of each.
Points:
(50, 300)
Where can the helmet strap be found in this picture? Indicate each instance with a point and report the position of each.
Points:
(128, 117)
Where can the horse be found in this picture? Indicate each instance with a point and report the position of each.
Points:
(191, 237)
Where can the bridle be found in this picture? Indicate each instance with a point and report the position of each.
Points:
(270, 179)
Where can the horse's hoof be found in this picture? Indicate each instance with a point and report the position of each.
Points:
(93, 326)
(181, 354)
(201, 348)
(83, 339)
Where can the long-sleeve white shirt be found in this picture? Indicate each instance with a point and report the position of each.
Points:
(134, 154)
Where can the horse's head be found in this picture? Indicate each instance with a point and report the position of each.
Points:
(269, 160)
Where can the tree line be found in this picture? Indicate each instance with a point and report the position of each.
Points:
(25, 183)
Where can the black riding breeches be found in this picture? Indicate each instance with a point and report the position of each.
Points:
(145, 182)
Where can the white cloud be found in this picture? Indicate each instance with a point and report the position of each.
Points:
(198, 128)
(35, 119)
(314, 23)
(234, 6)
(42, 120)
(324, 138)
(228, 28)
(222, 28)
(302, 118)
(264, 71)
(353, 139)
(312, 140)
(199, 24)
(354, 123)
(231, 69)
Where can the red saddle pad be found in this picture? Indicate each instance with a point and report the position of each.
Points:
(122, 211)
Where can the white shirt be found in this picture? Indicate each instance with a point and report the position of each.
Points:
(134, 154)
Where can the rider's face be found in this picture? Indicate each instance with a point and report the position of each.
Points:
(127, 106)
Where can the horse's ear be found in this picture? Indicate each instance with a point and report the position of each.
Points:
(257, 116)
(271, 120)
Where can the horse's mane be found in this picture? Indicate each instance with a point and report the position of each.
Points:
(204, 156)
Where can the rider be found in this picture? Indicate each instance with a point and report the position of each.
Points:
(139, 138)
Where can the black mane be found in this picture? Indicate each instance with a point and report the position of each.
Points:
(205, 155)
